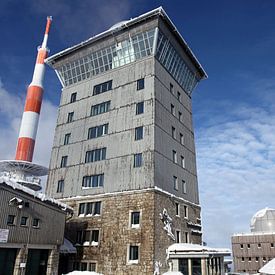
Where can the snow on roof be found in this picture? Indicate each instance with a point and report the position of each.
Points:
(188, 247)
(41, 196)
(126, 23)
(87, 197)
(268, 268)
(83, 273)
(67, 247)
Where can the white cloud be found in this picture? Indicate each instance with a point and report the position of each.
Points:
(236, 164)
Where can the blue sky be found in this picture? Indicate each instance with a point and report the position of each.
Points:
(234, 114)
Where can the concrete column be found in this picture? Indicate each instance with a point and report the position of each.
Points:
(190, 267)
(203, 267)
(21, 258)
(53, 261)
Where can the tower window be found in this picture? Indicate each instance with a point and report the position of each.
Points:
(95, 155)
(179, 96)
(98, 131)
(93, 181)
(175, 181)
(24, 221)
(35, 223)
(60, 186)
(133, 253)
(185, 211)
(70, 117)
(138, 160)
(139, 133)
(174, 153)
(173, 132)
(140, 108)
(177, 209)
(181, 139)
(184, 189)
(64, 161)
(135, 219)
(180, 116)
(100, 108)
(140, 84)
(67, 138)
(178, 236)
(103, 87)
(171, 88)
(172, 109)
(182, 162)
(73, 98)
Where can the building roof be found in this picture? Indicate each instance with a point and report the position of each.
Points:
(125, 24)
(187, 248)
(41, 196)
(263, 221)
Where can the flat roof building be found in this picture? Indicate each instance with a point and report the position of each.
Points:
(124, 155)
(254, 249)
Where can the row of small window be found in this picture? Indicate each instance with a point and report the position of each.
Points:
(98, 155)
(85, 266)
(24, 221)
(176, 185)
(256, 259)
(102, 130)
(173, 112)
(175, 159)
(104, 106)
(178, 94)
(259, 245)
(181, 140)
(178, 211)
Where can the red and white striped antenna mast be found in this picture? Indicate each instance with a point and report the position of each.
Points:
(29, 123)
(22, 169)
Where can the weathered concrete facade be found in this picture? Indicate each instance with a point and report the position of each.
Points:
(145, 170)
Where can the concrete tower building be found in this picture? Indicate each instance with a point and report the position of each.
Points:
(124, 154)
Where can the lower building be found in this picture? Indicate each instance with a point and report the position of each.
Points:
(31, 230)
(192, 259)
(119, 232)
(253, 250)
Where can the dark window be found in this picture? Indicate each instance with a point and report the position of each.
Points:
(73, 97)
(175, 181)
(179, 96)
(257, 259)
(264, 259)
(182, 161)
(249, 259)
(139, 133)
(11, 219)
(64, 160)
(241, 245)
(24, 221)
(259, 245)
(272, 245)
(173, 132)
(93, 181)
(100, 108)
(140, 108)
(103, 87)
(248, 245)
(81, 209)
(140, 84)
(95, 155)
(171, 88)
(70, 117)
(95, 236)
(60, 186)
(35, 222)
(135, 218)
(98, 131)
(92, 267)
(97, 208)
(67, 138)
(174, 155)
(83, 266)
(133, 253)
(138, 160)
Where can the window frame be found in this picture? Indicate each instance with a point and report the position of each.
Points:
(13, 219)
(73, 97)
(139, 133)
(130, 253)
(60, 186)
(70, 117)
(140, 84)
(140, 110)
(67, 139)
(138, 159)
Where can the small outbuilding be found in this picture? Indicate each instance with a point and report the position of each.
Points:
(31, 230)
(194, 259)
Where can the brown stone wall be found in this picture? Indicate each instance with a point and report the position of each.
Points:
(162, 240)
(116, 234)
